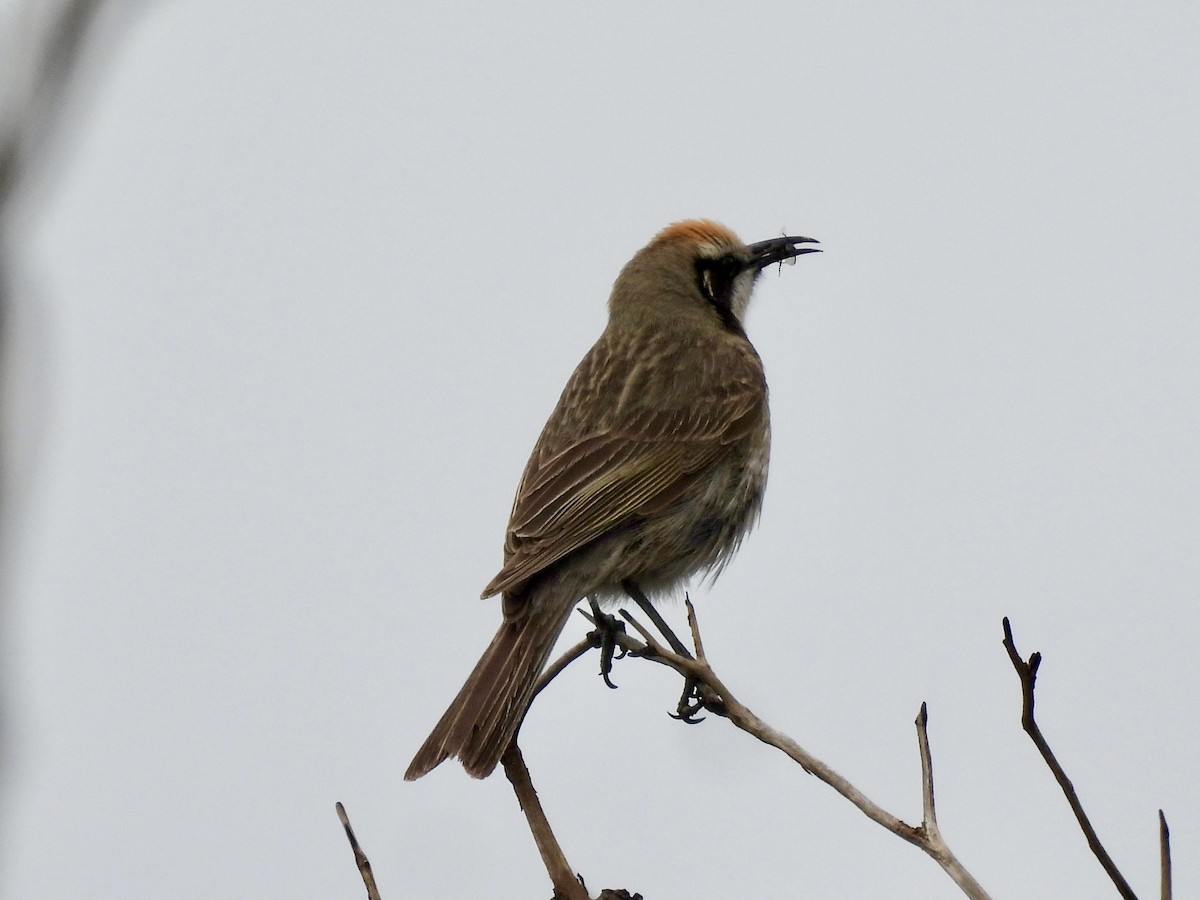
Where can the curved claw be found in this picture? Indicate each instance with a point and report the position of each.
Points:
(604, 637)
(687, 717)
(690, 703)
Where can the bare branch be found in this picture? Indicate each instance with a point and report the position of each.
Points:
(1027, 672)
(364, 864)
(567, 885)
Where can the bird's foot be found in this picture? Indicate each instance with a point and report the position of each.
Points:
(697, 697)
(604, 636)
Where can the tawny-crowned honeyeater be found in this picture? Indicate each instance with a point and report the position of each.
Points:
(650, 469)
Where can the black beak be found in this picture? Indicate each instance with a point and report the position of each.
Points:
(764, 253)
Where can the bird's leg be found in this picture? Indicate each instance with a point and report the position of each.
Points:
(696, 694)
(635, 593)
(604, 636)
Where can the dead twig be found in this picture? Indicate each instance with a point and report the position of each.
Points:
(364, 864)
(934, 844)
(1027, 671)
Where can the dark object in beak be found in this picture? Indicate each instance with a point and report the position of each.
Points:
(777, 250)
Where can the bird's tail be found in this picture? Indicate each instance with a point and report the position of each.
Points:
(483, 718)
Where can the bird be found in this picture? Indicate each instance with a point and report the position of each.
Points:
(650, 470)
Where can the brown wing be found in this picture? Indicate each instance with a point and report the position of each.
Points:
(606, 455)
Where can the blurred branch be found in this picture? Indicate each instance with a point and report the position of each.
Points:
(1027, 672)
(39, 72)
(31, 118)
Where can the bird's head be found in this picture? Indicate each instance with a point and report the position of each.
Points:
(698, 268)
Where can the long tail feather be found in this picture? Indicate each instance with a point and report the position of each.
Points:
(485, 715)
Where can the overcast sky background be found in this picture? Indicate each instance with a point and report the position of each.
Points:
(306, 281)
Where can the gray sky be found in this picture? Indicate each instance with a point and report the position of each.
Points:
(308, 281)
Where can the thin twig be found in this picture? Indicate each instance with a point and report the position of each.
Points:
(935, 845)
(1164, 851)
(364, 864)
(651, 646)
(556, 667)
(566, 884)
(694, 626)
(1027, 672)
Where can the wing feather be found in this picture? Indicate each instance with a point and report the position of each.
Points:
(582, 481)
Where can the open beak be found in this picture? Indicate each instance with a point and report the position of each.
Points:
(777, 250)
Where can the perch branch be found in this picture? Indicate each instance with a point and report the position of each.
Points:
(926, 837)
(556, 667)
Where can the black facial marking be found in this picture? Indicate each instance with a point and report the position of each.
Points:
(715, 279)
